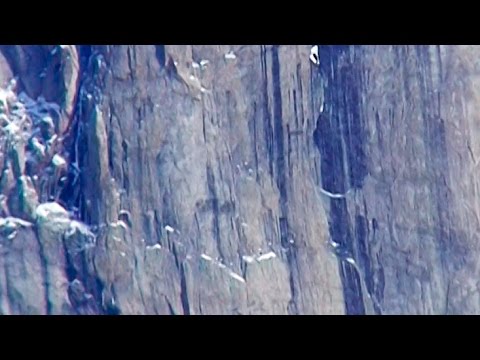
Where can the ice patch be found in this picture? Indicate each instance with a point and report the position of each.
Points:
(206, 257)
(350, 261)
(195, 65)
(248, 259)
(334, 244)
(154, 247)
(314, 56)
(267, 256)
(169, 229)
(204, 63)
(332, 195)
(236, 277)
(230, 56)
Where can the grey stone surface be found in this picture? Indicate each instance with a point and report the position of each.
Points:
(408, 137)
(243, 179)
(205, 140)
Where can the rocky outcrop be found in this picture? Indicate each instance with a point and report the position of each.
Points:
(37, 234)
(243, 179)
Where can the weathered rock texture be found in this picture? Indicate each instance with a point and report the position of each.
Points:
(400, 128)
(208, 164)
(208, 151)
(243, 179)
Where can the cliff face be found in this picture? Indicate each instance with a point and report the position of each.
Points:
(198, 172)
(243, 179)
(202, 157)
(400, 130)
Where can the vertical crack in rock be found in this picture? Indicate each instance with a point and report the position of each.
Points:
(281, 175)
(268, 130)
(45, 276)
(437, 161)
(338, 136)
(184, 291)
(160, 53)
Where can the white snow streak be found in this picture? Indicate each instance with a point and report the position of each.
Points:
(230, 56)
(267, 256)
(206, 257)
(236, 277)
(169, 229)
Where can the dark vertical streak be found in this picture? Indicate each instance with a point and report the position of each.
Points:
(215, 209)
(268, 131)
(184, 292)
(160, 53)
(281, 177)
(339, 138)
(45, 275)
